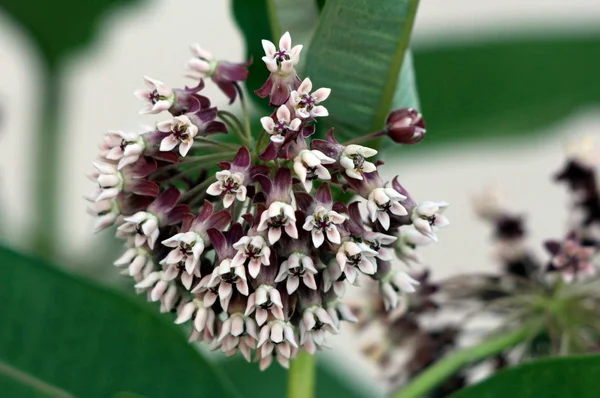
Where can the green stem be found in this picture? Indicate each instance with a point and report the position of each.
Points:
(301, 376)
(47, 166)
(446, 367)
(246, 114)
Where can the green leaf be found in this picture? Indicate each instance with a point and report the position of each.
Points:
(358, 51)
(90, 342)
(556, 377)
(406, 95)
(272, 383)
(60, 26)
(510, 88)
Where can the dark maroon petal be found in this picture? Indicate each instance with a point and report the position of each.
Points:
(131, 204)
(265, 183)
(354, 223)
(228, 89)
(224, 165)
(323, 194)
(330, 136)
(308, 130)
(259, 169)
(217, 239)
(215, 127)
(207, 115)
(553, 246)
(249, 218)
(235, 233)
(329, 149)
(242, 159)
(170, 157)
(144, 188)
(269, 153)
(195, 89)
(219, 220)
(283, 180)
(232, 72)
(303, 200)
(176, 215)
(339, 207)
(140, 169)
(187, 221)
(204, 101)
(409, 202)
(265, 90)
(205, 212)
(165, 201)
(193, 104)
(280, 93)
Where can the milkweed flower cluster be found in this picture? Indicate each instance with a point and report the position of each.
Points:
(246, 242)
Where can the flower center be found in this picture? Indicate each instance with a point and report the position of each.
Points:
(354, 260)
(322, 221)
(278, 221)
(307, 102)
(281, 56)
(185, 248)
(154, 97)
(230, 277)
(281, 128)
(359, 162)
(230, 185)
(181, 132)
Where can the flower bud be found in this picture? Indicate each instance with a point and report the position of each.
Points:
(405, 126)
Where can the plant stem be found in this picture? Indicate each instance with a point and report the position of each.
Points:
(301, 376)
(446, 367)
(46, 164)
(248, 129)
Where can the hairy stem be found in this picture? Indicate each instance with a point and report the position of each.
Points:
(301, 376)
(47, 166)
(446, 367)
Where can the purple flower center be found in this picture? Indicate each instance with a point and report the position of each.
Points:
(355, 260)
(281, 128)
(154, 97)
(181, 132)
(230, 185)
(307, 102)
(185, 249)
(322, 222)
(281, 56)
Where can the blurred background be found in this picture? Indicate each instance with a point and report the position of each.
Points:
(503, 86)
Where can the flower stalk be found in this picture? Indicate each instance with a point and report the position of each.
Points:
(446, 367)
(301, 376)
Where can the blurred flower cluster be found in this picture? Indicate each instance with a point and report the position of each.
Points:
(247, 240)
(555, 296)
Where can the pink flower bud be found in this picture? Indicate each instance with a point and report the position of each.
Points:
(405, 126)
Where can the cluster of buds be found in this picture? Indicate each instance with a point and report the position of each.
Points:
(246, 242)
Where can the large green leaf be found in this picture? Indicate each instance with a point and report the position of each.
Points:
(59, 26)
(509, 88)
(90, 342)
(549, 378)
(358, 51)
